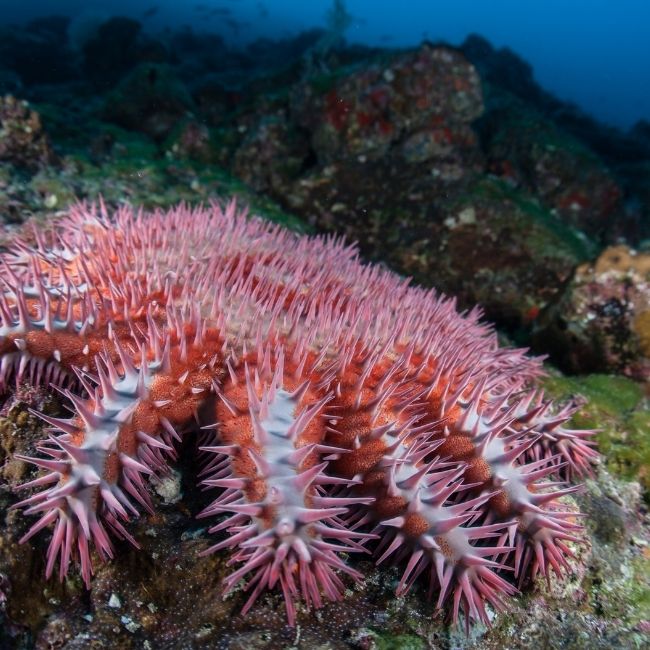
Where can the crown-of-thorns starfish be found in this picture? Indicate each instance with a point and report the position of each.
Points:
(350, 411)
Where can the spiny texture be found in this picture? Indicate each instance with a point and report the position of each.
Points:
(344, 410)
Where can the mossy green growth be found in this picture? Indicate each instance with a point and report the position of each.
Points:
(612, 395)
(617, 408)
(137, 173)
(387, 641)
(626, 595)
(639, 590)
(631, 455)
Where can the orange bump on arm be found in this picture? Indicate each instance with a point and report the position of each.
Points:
(415, 525)
(359, 461)
(456, 447)
(478, 471)
(145, 418)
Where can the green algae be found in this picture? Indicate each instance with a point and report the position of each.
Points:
(398, 642)
(616, 407)
(102, 159)
(612, 395)
(631, 453)
(620, 589)
(390, 641)
(136, 172)
(639, 589)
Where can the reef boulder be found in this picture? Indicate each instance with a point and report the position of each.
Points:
(601, 322)
(23, 141)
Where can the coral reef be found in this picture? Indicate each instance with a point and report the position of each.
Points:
(338, 404)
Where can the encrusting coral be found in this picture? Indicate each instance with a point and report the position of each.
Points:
(341, 409)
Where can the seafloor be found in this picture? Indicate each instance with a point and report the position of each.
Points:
(450, 165)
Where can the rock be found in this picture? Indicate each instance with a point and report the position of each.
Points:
(634, 228)
(151, 99)
(503, 68)
(55, 635)
(213, 102)
(117, 47)
(191, 140)
(601, 322)
(23, 141)
(530, 151)
(271, 154)
(478, 240)
(432, 91)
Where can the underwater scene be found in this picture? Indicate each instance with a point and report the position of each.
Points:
(324, 325)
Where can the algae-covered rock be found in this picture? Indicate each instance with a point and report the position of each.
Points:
(150, 99)
(601, 320)
(192, 140)
(23, 140)
(479, 240)
(430, 91)
(617, 408)
(491, 245)
(130, 167)
(532, 152)
(271, 154)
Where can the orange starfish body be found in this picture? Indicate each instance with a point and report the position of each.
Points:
(350, 411)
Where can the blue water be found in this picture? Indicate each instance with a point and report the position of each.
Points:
(595, 53)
